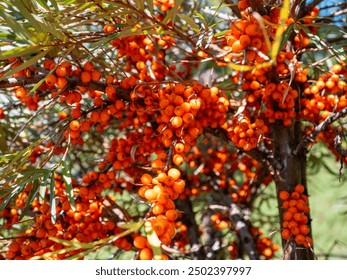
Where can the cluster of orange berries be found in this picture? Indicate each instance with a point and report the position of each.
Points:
(264, 245)
(220, 221)
(247, 44)
(295, 217)
(160, 192)
(83, 224)
(326, 95)
(165, 5)
(246, 135)
(280, 100)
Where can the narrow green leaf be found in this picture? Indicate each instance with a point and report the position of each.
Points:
(139, 4)
(239, 67)
(19, 51)
(68, 184)
(52, 201)
(15, 192)
(132, 226)
(55, 5)
(168, 17)
(34, 22)
(286, 35)
(175, 10)
(26, 64)
(284, 13)
(150, 6)
(43, 4)
(337, 51)
(44, 184)
(17, 28)
(73, 244)
(32, 194)
(190, 22)
(202, 19)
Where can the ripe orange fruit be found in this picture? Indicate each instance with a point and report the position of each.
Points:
(174, 173)
(75, 125)
(140, 242)
(284, 195)
(146, 254)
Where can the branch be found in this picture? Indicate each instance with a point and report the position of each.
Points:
(241, 227)
(319, 128)
(246, 238)
(188, 219)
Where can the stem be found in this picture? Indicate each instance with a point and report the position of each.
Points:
(291, 172)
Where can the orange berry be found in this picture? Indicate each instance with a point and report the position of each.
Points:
(75, 125)
(51, 80)
(88, 66)
(174, 173)
(300, 239)
(146, 179)
(86, 77)
(337, 68)
(284, 195)
(179, 148)
(178, 186)
(14, 247)
(304, 229)
(176, 122)
(151, 195)
(178, 160)
(286, 234)
(171, 214)
(188, 117)
(61, 71)
(287, 216)
(295, 195)
(146, 254)
(140, 242)
(308, 242)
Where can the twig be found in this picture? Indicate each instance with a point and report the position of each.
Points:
(319, 128)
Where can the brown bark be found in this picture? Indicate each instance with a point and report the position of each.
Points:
(290, 171)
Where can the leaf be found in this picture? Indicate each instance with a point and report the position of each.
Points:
(192, 24)
(286, 35)
(14, 193)
(284, 13)
(34, 21)
(43, 186)
(26, 64)
(153, 241)
(139, 4)
(338, 52)
(17, 28)
(150, 6)
(239, 67)
(134, 226)
(19, 51)
(202, 18)
(43, 4)
(175, 10)
(68, 184)
(52, 201)
(32, 194)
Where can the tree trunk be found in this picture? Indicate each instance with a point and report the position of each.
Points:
(290, 171)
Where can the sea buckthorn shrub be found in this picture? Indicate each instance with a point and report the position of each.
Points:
(155, 135)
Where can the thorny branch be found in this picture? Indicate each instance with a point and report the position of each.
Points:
(319, 128)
